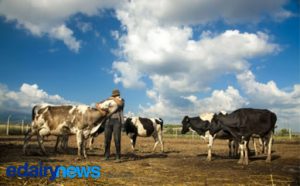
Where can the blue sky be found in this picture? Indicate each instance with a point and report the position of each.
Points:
(168, 58)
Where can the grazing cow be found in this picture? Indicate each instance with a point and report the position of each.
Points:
(65, 120)
(242, 124)
(144, 127)
(201, 126)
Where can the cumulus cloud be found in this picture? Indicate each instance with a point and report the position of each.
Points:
(268, 93)
(47, 18)
(179, 65)
(42, 17)
(159, 45)
(193, 12)
(28, 96)
(219, 100)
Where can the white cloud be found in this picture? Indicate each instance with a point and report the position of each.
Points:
(159, 45)
(84, 26)
(48, 18)
(268, 94)
(178, 12)
(40, 17)
(131, 74)
(179, 66)
(66, 35)
(219, 100)
(28, 96)
(227, 100)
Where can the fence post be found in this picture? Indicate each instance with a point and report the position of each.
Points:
(290, 133)
(7, 125)
(193, 134)
(176, 132)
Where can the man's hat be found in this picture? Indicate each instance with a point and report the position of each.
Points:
(115, 93)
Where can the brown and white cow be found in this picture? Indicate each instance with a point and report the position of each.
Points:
(65, 120)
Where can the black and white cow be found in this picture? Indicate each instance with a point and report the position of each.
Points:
(242, 124)
(65, 120)
(144, 127)
(201, 126)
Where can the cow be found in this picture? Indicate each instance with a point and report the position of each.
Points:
(201, 126)
(144, 127)
(65, 120)
(242, 124)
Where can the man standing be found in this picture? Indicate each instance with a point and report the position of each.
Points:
(113, 126)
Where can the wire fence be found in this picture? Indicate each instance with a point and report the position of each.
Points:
(22, 126)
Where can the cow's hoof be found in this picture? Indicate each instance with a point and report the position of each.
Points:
(240, 161)
(268, 160)
(78, 159)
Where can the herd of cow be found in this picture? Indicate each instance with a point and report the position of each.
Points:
(86, 123)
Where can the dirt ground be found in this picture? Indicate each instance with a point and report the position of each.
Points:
(182, 163)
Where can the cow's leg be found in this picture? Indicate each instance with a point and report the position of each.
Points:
(230, 147)
(261, 145)
(160, 139)
(255, 147)
(241, 160)
(84, 148)
(236, 148)
(155, 136)
(40, 136)
(66, 140)
(246, 160)
(91, 141)
(41, 143)
(270, 140)
(27, 137)
(133, 141)
(79, 138)
(58, 139)
(210, 144)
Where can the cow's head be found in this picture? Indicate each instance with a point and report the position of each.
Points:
(185, 125)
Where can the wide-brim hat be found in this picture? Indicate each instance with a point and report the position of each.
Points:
(115, 93)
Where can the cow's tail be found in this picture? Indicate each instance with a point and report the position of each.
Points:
(161, 122)
(34, 112)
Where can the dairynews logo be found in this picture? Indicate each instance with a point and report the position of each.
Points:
(53, 172)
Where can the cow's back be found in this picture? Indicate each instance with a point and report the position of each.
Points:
(256, 121)
(55, 115)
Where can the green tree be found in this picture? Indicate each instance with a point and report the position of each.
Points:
(284, 132)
